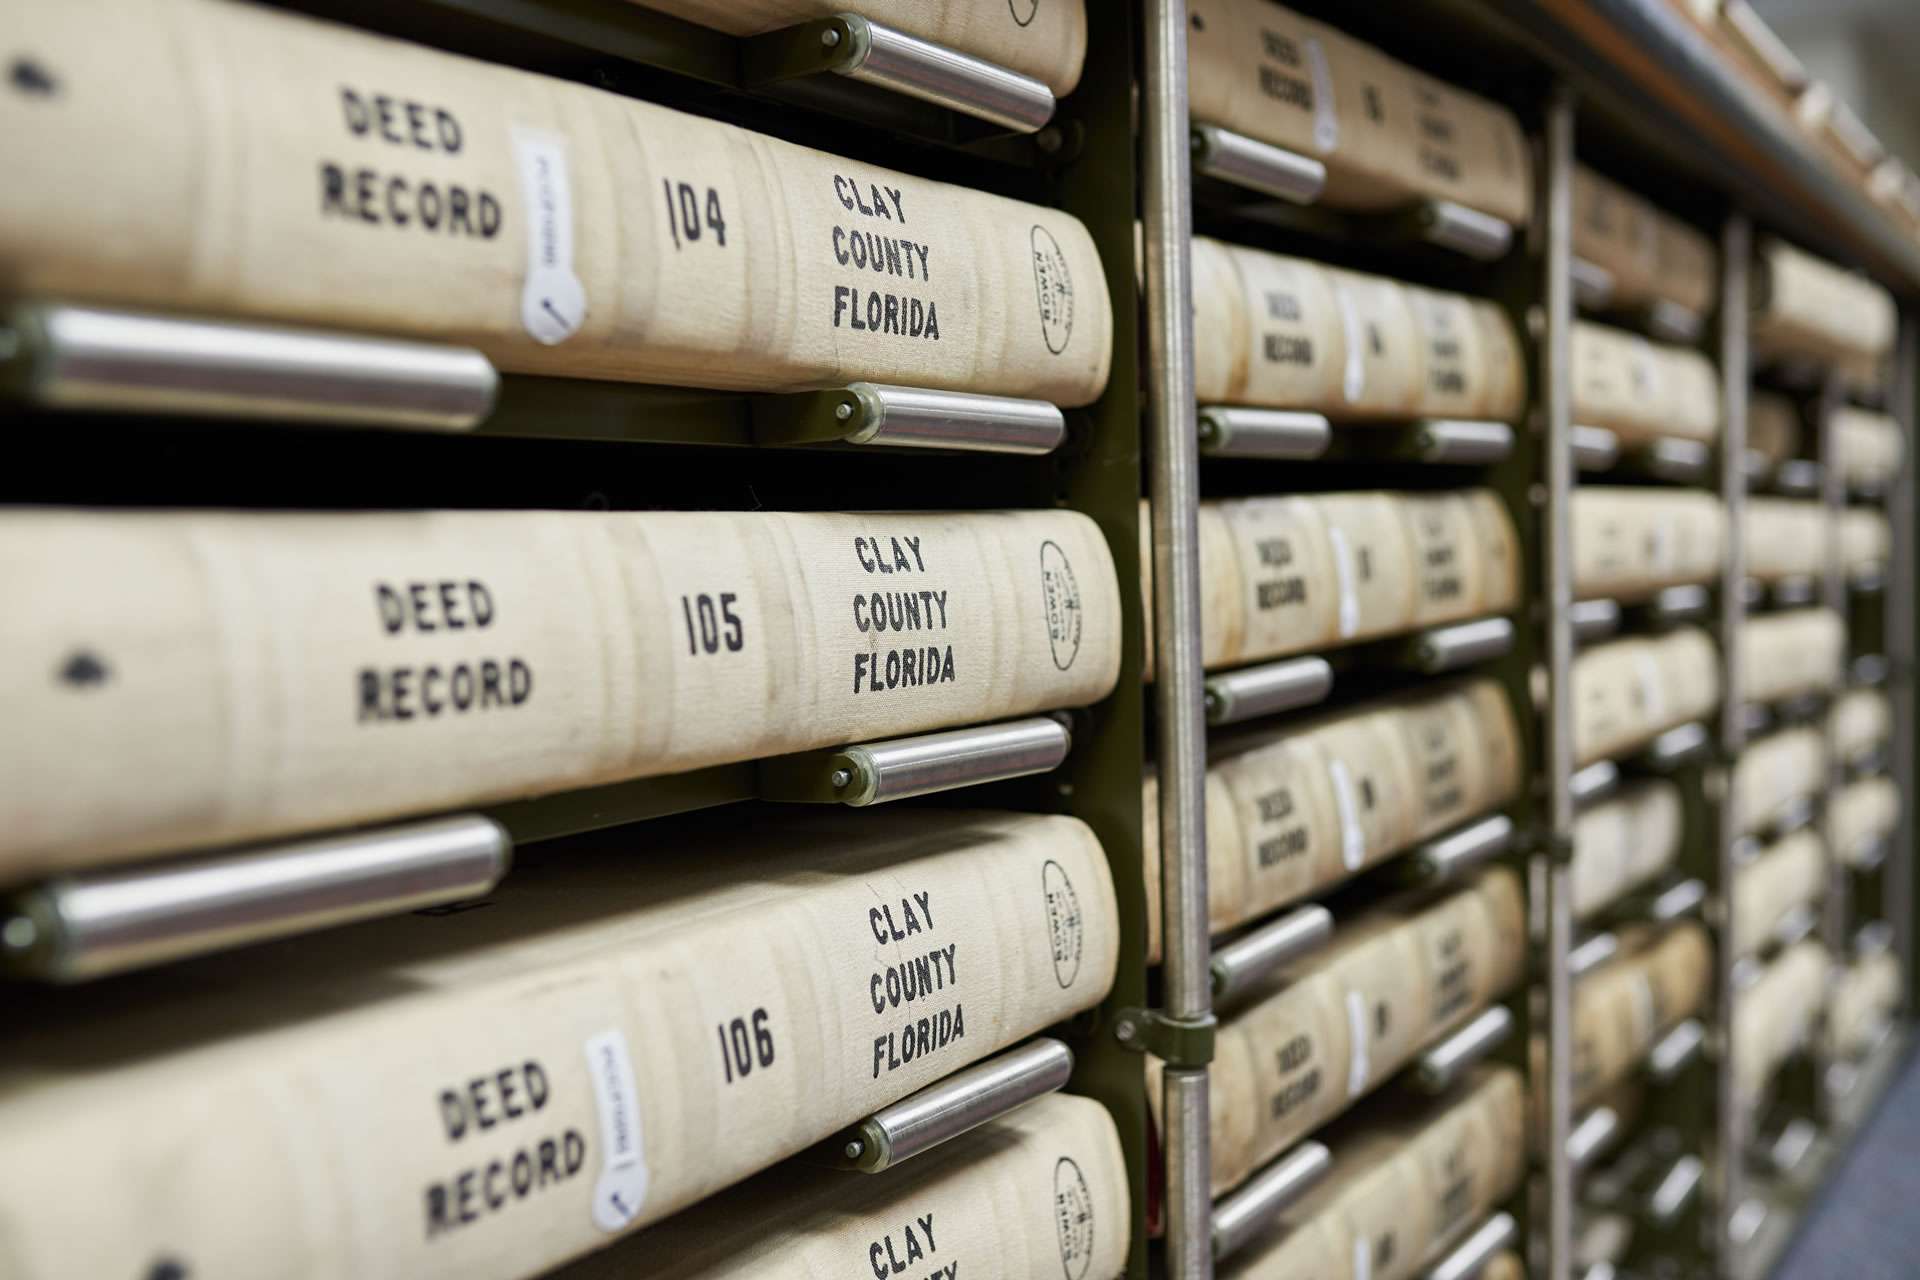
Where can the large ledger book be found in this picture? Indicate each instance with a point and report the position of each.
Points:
(1640, 390)
(1628, 692)
(1045, 39)
(1805, 306)
(1389, 135)
(1866, 540)
(1776, 1015)
(1620, 1009)
(1863, 813)
(1790, 873)
(1033, 1195)
(1784, 655)
(1871, 445)
(1335, 1026)
(1287, 575)
(375, 185)
(1291, 333)
(1648, 254)
(1409, 1179)
(1864, 1001)
(629, 1025)
(1623, 843)
(196, 678)
(1629, 543)
(1785, 538)
(1295, 810)
(1773, 427)
(1859, 724)
(1776, 774)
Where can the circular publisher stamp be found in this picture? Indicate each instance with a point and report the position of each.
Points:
(1065, 928)
(1073, 1217)
(1053, 288)
(1060, 593)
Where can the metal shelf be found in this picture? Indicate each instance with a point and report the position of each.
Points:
(1244, 965)
(1237, 431)
(955, 1105)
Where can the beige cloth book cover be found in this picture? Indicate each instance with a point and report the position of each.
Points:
(1628, 543)
(1642, 390)
(1861, 720)
(1337, 1025)
(1862, 813)
(1786, 538)
(1505, 1265)
(1623, 843)
(1650, 255)
(1290, 333)
(1773, 427)
(1620, 1009)
(1389, 135)
(1034, 1195)
(234, 160)
(1787, 654)
(1045, 39)
(1776, 1015)
(1296, 810)
(1776, 773)
(1791, 872)
(1871, 445)
(1409, 1179)
(628, 1026)
(195, 678)
(1287, 575)
(1866, 539)
(1628, 692)
(1866, 997)
(1808, 307)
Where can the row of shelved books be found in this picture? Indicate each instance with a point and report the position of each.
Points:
(1804, 995)
(1871, 446)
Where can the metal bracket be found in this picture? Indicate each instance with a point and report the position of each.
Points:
(1268, 689)
(858, 48)
(948, 1108)
(874, 413)
(65, 356)
(1243, 964)
(1244, 1213)
(1182, 1043)
(95, 923)
(1233, 157)
(896, 768)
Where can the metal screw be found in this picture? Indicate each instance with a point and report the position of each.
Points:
(855, 1149)
(843, 411)
(1050, 139)
(842, 779)
(1126, 1031)
(1213, 705)
(830, 38)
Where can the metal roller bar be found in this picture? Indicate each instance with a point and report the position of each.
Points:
(1797, 478)
(1462, 442)
(1246, 1212)
(858, 48)
(1438, 1068)
(1671, 322)
(1468, 1258)
(1594, 783)
(1468, 232)
(1676, 1189)
(877, 772)
(1461, 644)
(879, 414)
(1594, 1134)
(1252, 692)
(1235, 158)
(1868, 581)
(64, 356)
(1459, 851)
(1591, 954)
(1897, 886)
(1837, 906)
(1677, 748)
(1793, 593)
(1681, 900)
(1755, 720)
(1745, 1222)
(1795, 925)
(1870, 855)
(1594, 448)
(1594, 620)
(1592, 285)
(1869, 671)
(1873, 938)
(95, 923)
(1791, 1145)
(1676, 1051)
(1238, 967)
(1676, 605)
(958, 1104)
(1237, 431)
(1674, 460)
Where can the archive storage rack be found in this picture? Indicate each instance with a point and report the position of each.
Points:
(1629, 86)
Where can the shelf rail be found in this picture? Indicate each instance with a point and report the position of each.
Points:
(958, 1104)
(897, 768)
(1250, 1209)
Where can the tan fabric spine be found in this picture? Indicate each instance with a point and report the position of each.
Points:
(1650, 254)
(1872, 446)
(1867, 995)
(194, 678)
(1623, 843)
(1627, 692)
(1404, 1184)
(1788, 654)
(1629, 543)
(1773, 427)
(1786, 538)
(380, 1134)
(1296, 811)
(1789, 873)
(1350, 1017)
(1292, 333)
(1045, 39)
(1622, 1008)
(1776, 772)
(1036, 1192)
(375, 185)
(1861, 720)
(1805, 306)
(1775, 1015)
(1642, 390)
(1863, 812)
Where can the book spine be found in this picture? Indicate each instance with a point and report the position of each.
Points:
(1029, 1195)
(1624, 842)
(1790, 873)
(1867, 995)
(1863, 811)
(1355, 1015)
(1642, 390)
(1628, 692)
(1620, 1010)
(1629, 543)
(199, 678)
(1047, 41)
(499, 1127)
(1786, 654)
(1294, 334)
(1775, 772)
(1776, 1014)
(372, 184)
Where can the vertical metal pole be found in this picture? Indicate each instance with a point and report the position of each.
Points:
(1736, 247)
(1897, 888)
(1557, 373)
(1166, 207)
(1833, 595)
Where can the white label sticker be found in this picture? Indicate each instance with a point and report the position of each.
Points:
(1357, 1038)
(1343, 572)
(1353, 839)
(1354, 381)
(1326, 125)
(1362, 1259)
(553, 303)
(622, 1187)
